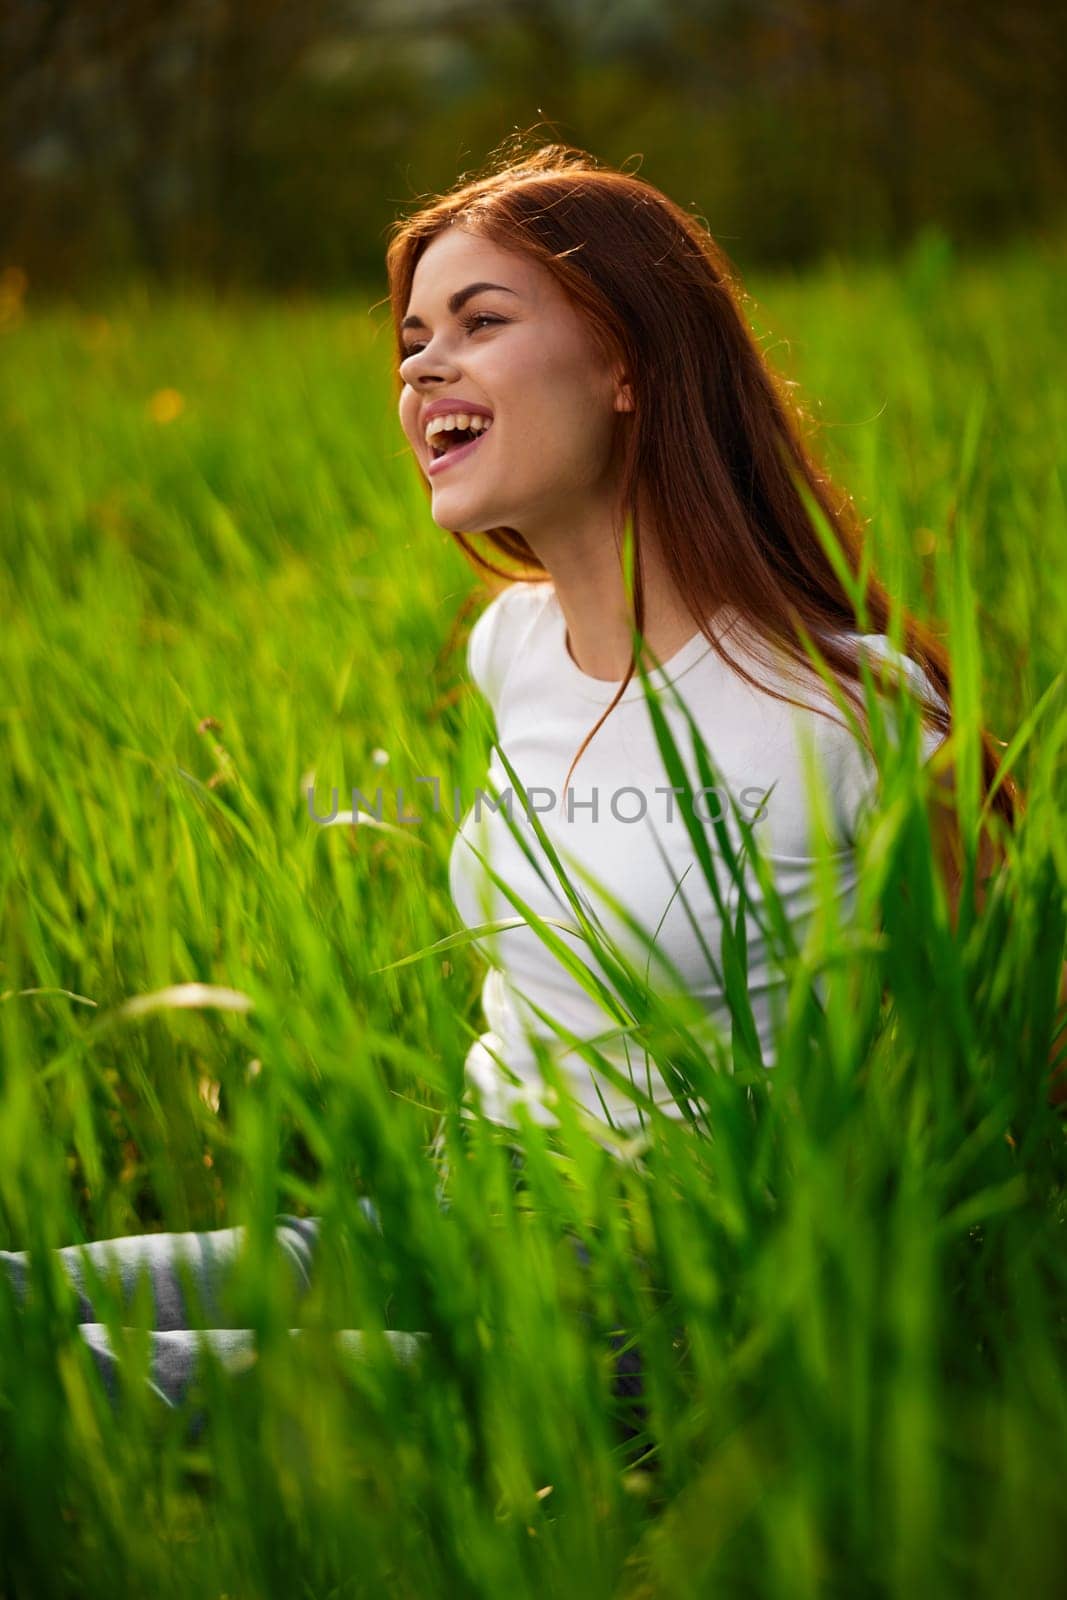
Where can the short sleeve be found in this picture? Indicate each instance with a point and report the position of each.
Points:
(856, 775)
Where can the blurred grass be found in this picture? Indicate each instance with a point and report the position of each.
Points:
(207, 513)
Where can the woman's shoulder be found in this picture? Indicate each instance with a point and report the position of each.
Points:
(498, 632)
(911, 675)
(879, 651)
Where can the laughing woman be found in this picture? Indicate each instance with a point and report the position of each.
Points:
(573, 360)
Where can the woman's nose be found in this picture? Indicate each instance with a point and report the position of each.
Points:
(422, 368)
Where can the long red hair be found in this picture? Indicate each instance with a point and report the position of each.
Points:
(715, 444)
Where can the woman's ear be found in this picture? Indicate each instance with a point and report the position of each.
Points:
(624, 398)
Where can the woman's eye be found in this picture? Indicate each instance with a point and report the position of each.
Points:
(474, 320)
(479, 317)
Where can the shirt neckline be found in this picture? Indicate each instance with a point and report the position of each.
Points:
(602, 690)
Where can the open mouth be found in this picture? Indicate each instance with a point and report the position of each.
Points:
(454, 445)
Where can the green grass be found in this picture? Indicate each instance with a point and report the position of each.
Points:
(851, 1298)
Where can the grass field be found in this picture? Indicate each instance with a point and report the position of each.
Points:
(855, 1323)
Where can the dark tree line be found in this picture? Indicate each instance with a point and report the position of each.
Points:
(270, 142)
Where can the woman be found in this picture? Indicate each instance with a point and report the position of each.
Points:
(573, 357)
(573, 360)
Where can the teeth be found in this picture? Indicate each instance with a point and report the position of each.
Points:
(457, 419)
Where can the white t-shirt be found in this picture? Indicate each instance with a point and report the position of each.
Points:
(608, 822)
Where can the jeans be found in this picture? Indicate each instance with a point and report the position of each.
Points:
(200, 1262)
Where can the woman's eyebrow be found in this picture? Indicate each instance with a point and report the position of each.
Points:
(457, 300)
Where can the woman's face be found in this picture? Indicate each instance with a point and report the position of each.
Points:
(521, 353)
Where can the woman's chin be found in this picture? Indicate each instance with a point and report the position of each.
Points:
(457, 516)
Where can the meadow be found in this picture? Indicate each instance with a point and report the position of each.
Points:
(221, 584)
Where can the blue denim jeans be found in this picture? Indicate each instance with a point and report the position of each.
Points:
(177, 1265)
